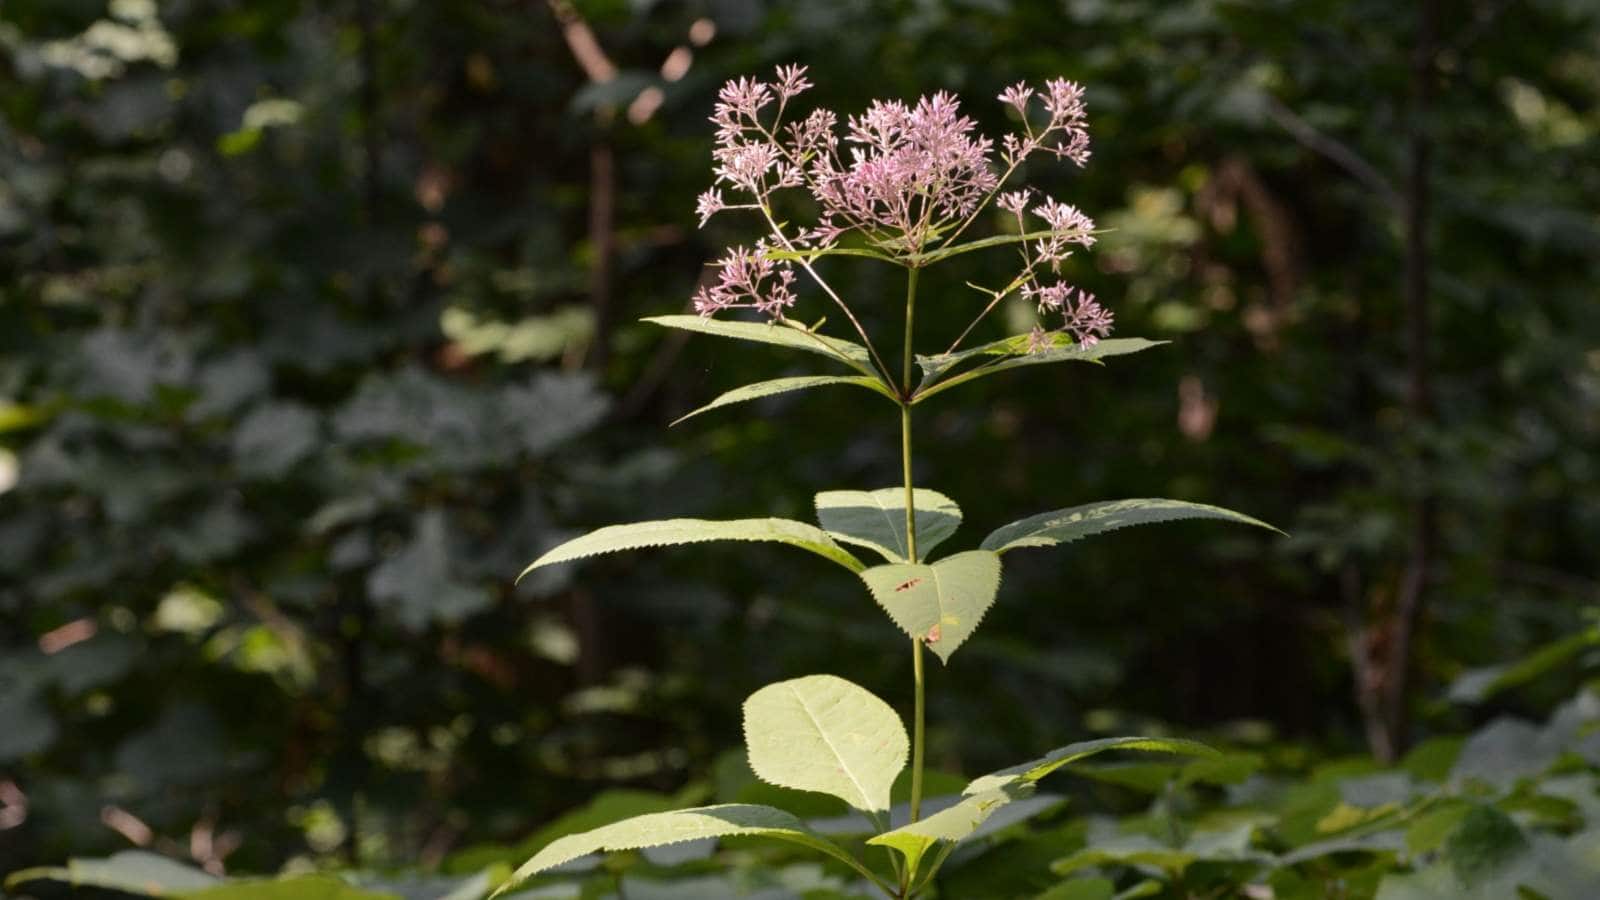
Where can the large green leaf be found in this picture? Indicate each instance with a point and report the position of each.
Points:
(940, 604)
(660, 829)
(1030, 772)
(784, 385)
(782, 334)
(670, 532)
(951, 825)
(877, 519)
(822, 733)
(1010, 358)
(1065, 525)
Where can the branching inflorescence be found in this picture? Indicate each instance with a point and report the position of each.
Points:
(904, 180)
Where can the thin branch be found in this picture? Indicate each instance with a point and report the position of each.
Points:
(581, 41)
(883, 370)
(1335, 151)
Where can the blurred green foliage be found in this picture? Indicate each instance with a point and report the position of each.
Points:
(310, 340)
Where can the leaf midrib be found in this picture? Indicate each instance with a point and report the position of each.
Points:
(843, 767)
(900, 540)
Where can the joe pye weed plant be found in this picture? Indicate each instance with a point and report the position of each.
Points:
(900, 185)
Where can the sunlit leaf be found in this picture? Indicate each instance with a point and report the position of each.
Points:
(780, 334)
(762, 389)
(939, 604)
(822, 733)
(1073, 353)
(670, 532)
(951, 825)
(1031, 772)
(1065, 525)
(660, 829)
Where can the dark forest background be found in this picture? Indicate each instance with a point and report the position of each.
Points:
(318, 321)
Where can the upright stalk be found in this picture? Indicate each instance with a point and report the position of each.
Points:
(917, 715)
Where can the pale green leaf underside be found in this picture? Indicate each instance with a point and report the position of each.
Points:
(669, 532)
(822, 733)
(877, 519)
(940, 604)
(1030, 772)
(762, 389)
(781, 334)
(1064, 525)
(660, 829)
(951, 825)
(1006, 362)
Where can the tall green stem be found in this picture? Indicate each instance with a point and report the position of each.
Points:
(917, 716)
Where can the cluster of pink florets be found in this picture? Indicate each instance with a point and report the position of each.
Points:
(904, 177)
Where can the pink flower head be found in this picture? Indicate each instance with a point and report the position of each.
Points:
(744, 96)
(1018, 96)
(912, 170)
(709, 204)
(791, 81)
(1013, 201)
(1068, 227)
(748, 278)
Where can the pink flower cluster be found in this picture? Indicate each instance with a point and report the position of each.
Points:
(1082, 316)
(906, 178)
(748, 278)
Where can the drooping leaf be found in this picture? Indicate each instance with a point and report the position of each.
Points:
(1031, 772)
(783, 385)
(1065, 525)
(822, 733)
(1074, 353)
(940, 604)
(951, 825)
(136, 872)
(1478, 685)
(782, 334)
(660, 829)
(670, 532)
(877, 519)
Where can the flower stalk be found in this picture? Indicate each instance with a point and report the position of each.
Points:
(919, 690)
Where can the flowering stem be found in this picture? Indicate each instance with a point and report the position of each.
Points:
(917, 717)
(805, 264)
(998, 296)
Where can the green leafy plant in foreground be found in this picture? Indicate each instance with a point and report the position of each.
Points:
(903, 186)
